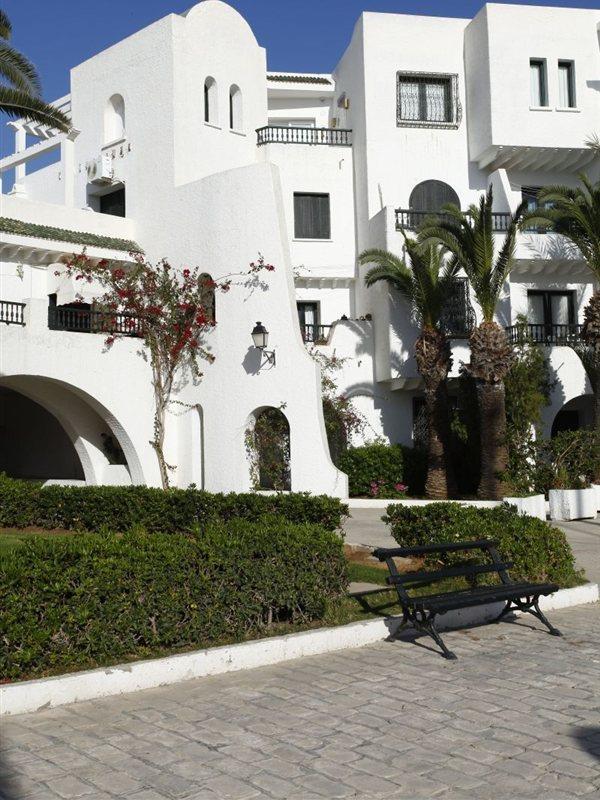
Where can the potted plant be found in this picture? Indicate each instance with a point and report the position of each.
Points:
(571, 499)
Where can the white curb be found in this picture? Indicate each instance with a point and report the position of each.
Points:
(29, 696)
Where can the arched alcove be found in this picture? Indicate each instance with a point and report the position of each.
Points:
(211, 111)
(268, 446)
(432, 195)
(208, 296)
(114, 119)
(577, 413)
(236, 121)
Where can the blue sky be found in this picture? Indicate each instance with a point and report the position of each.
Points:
(304, 35)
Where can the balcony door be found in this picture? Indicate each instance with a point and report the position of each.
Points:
(550, 314)
(308, 314)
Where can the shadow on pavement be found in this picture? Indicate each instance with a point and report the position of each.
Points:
(588, 739)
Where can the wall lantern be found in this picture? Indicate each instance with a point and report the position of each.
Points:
(260, 337)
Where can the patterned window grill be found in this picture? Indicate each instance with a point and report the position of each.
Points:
(427, 100)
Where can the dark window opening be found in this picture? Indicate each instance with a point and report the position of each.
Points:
(426, 98)
(308, 316)
(458, 316)
(311, 216)
(432, 196)
(550, 308)
(113, 203)
(206, 103)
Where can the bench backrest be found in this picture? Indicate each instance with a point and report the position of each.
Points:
(414, 580)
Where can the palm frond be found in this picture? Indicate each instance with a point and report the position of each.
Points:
(5, 26)
(16, 104)
(19, 71)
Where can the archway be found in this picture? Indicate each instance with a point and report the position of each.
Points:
(577, 413)
(33, 444)
(104, 450)
(268, 445)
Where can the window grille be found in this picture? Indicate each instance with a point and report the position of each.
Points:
(428, 100)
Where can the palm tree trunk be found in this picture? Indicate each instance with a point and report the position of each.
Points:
(439, 484)
(494, 449)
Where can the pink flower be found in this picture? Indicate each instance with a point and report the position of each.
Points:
(400, 487)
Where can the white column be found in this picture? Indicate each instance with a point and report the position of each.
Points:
(67, 166)
(20, 170)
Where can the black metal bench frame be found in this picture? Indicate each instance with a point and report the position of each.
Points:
(421, 611)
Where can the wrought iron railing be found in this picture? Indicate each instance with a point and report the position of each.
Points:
(315, 334)
(84, 320)
(412, 220)
(12, 313)
(544, 334)
(280, 134)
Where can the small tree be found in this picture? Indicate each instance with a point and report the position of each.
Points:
(170, 310)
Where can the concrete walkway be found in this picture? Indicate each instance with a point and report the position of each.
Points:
(365, 527)
(516, 717)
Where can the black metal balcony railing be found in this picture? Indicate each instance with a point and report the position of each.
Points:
(12, 313)
(276, 134)
(85, 320)
(315, 334)
(412, 220)
(544, 334)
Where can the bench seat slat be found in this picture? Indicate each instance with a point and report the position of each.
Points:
(450, 572)
(383, 553)
(485, 594)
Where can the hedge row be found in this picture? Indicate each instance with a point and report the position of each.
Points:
(119, 508)
(73, 602)
(384, 471)
(539, 552)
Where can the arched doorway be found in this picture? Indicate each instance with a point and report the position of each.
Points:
(268, 446)
(33, 444)
(577, 413)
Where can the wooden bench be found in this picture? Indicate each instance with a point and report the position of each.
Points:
(421, 610)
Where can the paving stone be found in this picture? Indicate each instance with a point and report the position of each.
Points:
(516, 717)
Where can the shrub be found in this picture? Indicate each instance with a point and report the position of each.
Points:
(374, 470)
(570, 460)
(120, 508)
(539, 552)
(78, 601)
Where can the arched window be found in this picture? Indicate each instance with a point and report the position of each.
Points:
(235, 108)
(211, 111)
(268, 445)
(431, 196)
(114, 119)
(208, 296)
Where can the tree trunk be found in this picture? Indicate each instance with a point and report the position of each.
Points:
(494, 449)
(439, 484)
(159, 442)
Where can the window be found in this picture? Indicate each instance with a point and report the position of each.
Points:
(566, 84)
(530, 194)
(113, 203)
(538, 83)
(311, 216)
(308, 315)
(114, 119)
(427, 99)
(208, 297)
(210, 101)
(292, 123)
(458, 317)
(235, 108)
(432, 196)
(550, 308)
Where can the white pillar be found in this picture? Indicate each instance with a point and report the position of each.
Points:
(20, 170)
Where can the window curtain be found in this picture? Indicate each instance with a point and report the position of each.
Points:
(536, 83)
(535, 309)
(559, 306)
(564, 86)
(409, 100)
(436, 105)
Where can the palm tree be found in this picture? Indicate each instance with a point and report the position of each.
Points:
(469, 237)
(575, 214)
(425, 284)
(20, 88)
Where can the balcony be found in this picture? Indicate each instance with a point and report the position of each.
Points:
(275, 134)
(12, 313)
(315, 334)
(84, 320)
(543, 334)
(412, 220)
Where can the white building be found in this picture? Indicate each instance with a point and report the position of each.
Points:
(185, 144)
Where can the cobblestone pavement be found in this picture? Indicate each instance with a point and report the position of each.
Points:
(517, 716)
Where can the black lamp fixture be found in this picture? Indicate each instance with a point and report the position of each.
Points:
(260, 337)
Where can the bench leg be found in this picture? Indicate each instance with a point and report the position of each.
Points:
(427, 625)
(506, 610)
(537, 612)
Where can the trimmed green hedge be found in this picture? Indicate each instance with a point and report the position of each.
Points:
(539, 551)
(119, 508)
(374, 470)
(79, 601)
